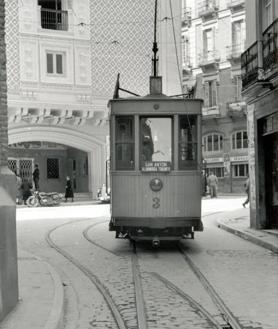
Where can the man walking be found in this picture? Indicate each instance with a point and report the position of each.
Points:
(36, 177)
(246, 187)
(212, 183)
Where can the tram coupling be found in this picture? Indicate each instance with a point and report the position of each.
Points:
(155, 242)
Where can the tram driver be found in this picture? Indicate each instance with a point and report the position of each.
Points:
(147, 140)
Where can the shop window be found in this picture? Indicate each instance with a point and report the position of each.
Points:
(52, 168)
(239, 140)
(124, 143)
(240, 170)
(217, 171)
(213, 143)
(187, 142)
(55, 63)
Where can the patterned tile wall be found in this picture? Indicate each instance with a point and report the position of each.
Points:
(12, 44)
(121, 42)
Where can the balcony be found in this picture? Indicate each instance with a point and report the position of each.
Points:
(249, 66)
(208, 9)
(270, 50)
(186, 17)
(52, 19)
(236, 5)
(233, 53)
(236, 109)
(211, 112)
(209, 60)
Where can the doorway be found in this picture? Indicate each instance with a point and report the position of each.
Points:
(271, 175)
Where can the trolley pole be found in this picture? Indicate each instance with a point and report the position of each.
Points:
(155, 48)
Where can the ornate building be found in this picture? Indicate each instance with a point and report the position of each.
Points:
(260, 89)
(213, 36)
(63, 57)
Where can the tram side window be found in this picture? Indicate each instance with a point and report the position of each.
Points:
(187, 142)
(124, 143)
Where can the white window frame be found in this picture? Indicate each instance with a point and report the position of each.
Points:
(236, 171)
(205, 142)
(234, 140)
(54, 56)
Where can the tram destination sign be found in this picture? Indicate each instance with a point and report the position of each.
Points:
(155, 166)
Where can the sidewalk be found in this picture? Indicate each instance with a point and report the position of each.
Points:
(238, 223)
(41, 297)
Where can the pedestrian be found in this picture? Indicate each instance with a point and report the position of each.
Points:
(247, 188)
(204, 183)
(26, 187)
(18, 188)
(212, 182)
(36, 177)
(69, 190)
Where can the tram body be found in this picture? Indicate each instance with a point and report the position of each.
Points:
(155, 167)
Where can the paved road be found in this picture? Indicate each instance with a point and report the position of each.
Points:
(243, 274)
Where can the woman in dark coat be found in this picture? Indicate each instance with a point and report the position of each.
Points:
(69, 190)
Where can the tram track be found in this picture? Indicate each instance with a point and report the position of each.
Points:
(228, 318)
(232, 322)
(90, 275)
(144, 321)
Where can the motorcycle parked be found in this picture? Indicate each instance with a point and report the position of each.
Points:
(44, 199)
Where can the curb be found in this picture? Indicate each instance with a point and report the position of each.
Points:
(57, 311)
(55, 318)
(249, 237)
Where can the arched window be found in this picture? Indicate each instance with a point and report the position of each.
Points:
(213, 142)
(239, 140)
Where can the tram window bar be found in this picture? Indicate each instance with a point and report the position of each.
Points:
(124, 143)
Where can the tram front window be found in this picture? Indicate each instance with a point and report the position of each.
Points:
(187, 142)
(124, 143)
(156, 140)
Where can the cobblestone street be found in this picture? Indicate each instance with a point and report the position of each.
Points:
(97, 271)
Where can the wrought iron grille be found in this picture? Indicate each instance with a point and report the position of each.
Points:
(270, 46)
(249, 65)
(52, 168)
(54, 19)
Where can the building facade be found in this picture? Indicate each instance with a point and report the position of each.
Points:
(213, 37)
(260, 89)
(63, 57)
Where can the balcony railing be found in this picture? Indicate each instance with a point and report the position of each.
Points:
(234, 51)
(186, 17)
(207, 7)
(208, 57)
(249, 65)
(234, 4)
(54, 19)
(270, 46)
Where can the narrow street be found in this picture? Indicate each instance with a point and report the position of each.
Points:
(99, 272)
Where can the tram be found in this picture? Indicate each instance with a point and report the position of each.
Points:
(155, 166)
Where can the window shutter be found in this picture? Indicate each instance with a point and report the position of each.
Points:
(206, 94)
(49, 63)
(214, 93)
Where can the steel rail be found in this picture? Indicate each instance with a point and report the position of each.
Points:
(88, 238)
(227, 315)
(90, 275)
(139, 295)
(188, 298)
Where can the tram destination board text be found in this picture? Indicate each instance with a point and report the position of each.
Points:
(163, 166)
